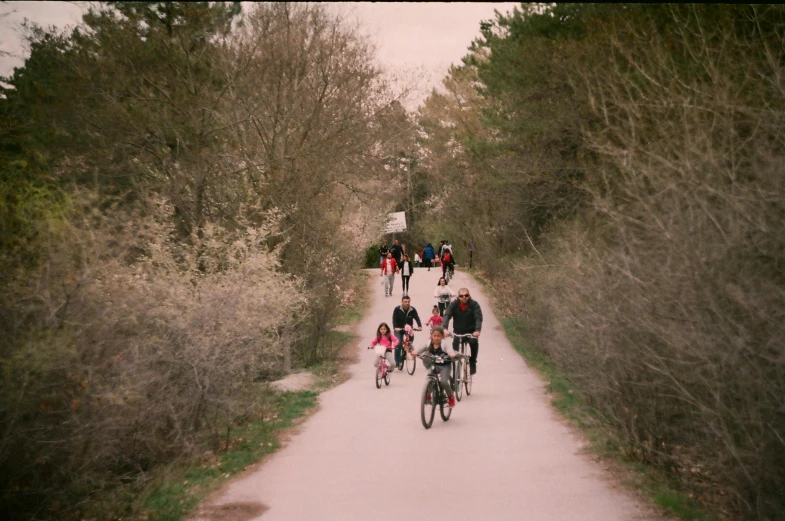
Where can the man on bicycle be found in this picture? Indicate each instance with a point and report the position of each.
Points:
(403, 315)
(468, 320)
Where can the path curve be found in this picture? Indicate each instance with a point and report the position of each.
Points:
(365, 455)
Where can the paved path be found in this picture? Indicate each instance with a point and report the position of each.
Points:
(503, 455)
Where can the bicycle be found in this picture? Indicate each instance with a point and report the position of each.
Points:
(410, 362)
(461, 373)
(444, 302)
(382, 374)
(433, 394)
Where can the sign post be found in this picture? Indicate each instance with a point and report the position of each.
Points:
(396, 222)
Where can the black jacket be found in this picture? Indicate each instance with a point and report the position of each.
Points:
(397, 252)
(467, 321)
(411, 268)
(401, 317)
(383, 250)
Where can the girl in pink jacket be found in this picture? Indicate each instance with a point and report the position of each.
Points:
(385, 338)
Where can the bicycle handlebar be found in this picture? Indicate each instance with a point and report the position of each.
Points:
(441, 359)
(463, 335)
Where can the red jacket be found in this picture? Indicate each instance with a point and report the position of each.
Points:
(393, 264)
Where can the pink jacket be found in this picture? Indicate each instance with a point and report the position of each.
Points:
(435, 320)
(388, 341)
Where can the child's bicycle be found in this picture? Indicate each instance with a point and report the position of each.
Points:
(382, 373)
(407, 359)
(433, 394)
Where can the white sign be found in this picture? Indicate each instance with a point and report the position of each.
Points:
(396, 222)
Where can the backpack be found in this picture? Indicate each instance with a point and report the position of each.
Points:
(447, 257)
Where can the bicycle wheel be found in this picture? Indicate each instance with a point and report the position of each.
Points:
(458, 385)
(379, 377)
(411, 365)
(387, 379)
(444, 410)
(467, 381)
(428, 407)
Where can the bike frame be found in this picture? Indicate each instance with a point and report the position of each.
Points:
(433, 374)
(459, 379)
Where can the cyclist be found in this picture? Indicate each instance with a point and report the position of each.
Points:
(385, 338)
(444, 293)
(438, 348)
(436, 318)
(468, 320)
(448, 262)
(404, 315)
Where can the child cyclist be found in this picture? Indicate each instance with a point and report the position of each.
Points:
(436, 318)
(386, 339)
(436, 348)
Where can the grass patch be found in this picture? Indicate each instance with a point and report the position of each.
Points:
(564, 397)
(181, 490)
(571, 405)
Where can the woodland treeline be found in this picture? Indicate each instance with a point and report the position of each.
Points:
(620, 168)
(184, 188)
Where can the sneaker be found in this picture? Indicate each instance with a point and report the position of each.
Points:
(451, 402)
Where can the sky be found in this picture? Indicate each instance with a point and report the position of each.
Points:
(414, 40)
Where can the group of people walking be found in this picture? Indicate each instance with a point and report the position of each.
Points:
(464, 312)
(394, 260)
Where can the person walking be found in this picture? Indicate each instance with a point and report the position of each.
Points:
(417, 258)
(428, 255)
(471, 247)
(406, 272)
(404, 315)
(468, 320)
(383, 250)
(389, 267)
(397, 251)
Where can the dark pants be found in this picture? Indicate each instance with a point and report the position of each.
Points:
(405, 282)
(427, 263)
(448, 266)
(470, 258)
(443, 308)
(474, 345)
